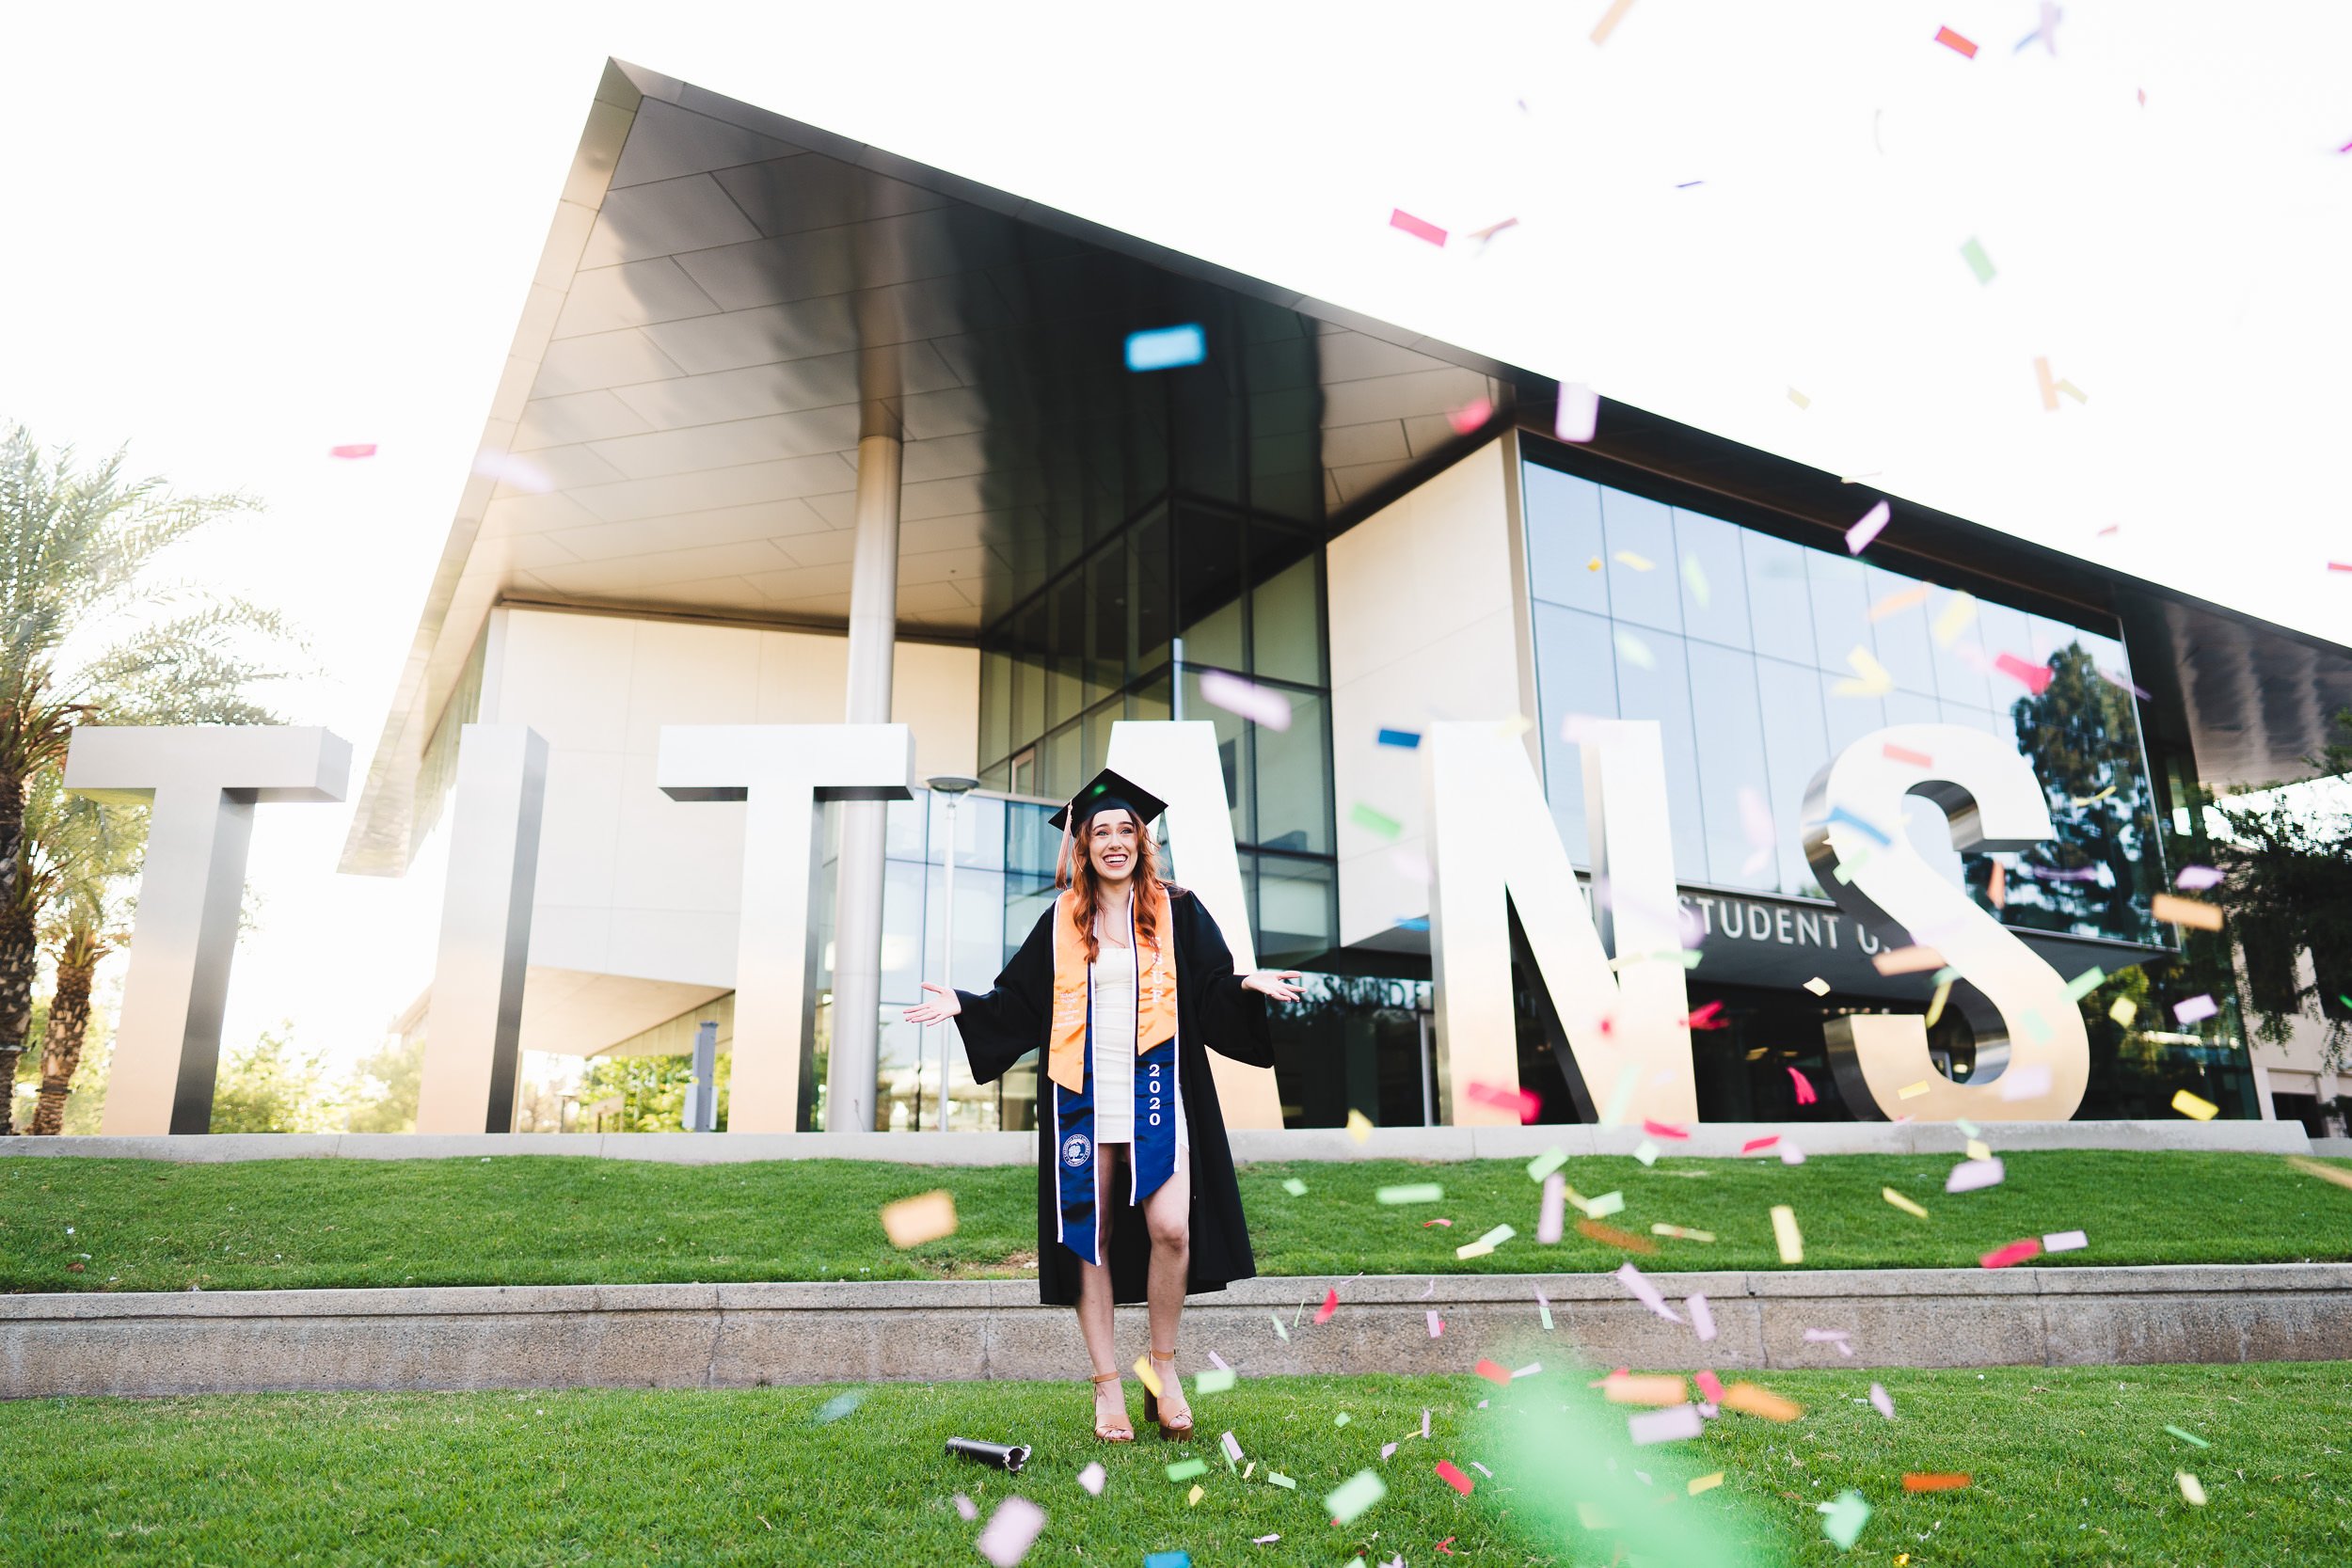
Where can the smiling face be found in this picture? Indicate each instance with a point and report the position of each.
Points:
(1111, 838)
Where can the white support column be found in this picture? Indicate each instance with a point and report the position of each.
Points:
(204, 782)
(858, 909)
(780, 771)
(473, 1030)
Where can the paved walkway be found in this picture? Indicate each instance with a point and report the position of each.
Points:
(739, 1336)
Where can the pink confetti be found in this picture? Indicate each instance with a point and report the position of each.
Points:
(1010, 1531)
(357, 449)
(1493, 1372)
(1970, 1175)
(1710, 1385)
(1956, 43)
(1231, 1446)
(2033, 677)
(1905, 755)
(1387, 1449)
(2195, 879)
(1331, 1304)
(965, 1507)
(1577, 417)
(1454, 1477)
(2065, 1240)
(2195, 1009)
(1673, 1425)
(1702, 1316)
(1756, 1145)
(1263, 1540)
(2016, 1252)
(1482, 1469)
(1218, 1362)
(1425, 1421)
(2121, 683)
(1662, 1130)
(1791, 1154)
(1805, 1089)
(1879, 1403)
(1436, 1325)
(1470, 417)
(1867, 528)
(1645, 1292)
(1418, 228)
(1091, 1478)
(1426, 1224)
(1255, 703)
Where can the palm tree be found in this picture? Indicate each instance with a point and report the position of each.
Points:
(89, 635)
(81, 856)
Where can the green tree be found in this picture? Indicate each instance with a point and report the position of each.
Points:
(2083, 736)
(89, 633)
(384, 1088)
(72, 875)
(273, 1085)
(652, 1091)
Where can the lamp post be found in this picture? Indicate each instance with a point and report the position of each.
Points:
(955, 786)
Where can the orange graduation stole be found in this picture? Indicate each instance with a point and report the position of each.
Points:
(1155, 989)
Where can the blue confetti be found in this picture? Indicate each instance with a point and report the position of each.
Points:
(1165, 348)
(1839, 814)
(1410, 739)
(1418, 923)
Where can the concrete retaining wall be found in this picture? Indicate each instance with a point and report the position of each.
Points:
(1709, 1139)
(739, 1336)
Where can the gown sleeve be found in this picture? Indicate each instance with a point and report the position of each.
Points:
(1231, 1021)
(1001, 1026)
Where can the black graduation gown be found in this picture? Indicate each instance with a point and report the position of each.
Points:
(1213, 1012)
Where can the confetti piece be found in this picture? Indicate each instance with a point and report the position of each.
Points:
(1372, 821)
(1436, 1325)
(2026, 1082)
(1907, 960)
(1879, 1403)
(2196, 1009)
(1996, 886)
(965, 1508)
(1894, 604)
(2186, 912)
(1218, 1381)
(912, 1221)
(2033, 677)
(1627, 1388)
(1935, 1003)
(1609, 1235)
(1604, 1206)
(1544, 1163)
(355, 450)
(1751, 1399)
(1426, 1224)
(1710, 1386)
(1150, 1379)
(1485, 236)
(1524, 1101)
(1646, 1153)
(1663, 1130)
(1496, 1237)
(1294, 1186)
(1955, 618)
(1264, 1540)
(1276, 1478)
(1543, 1306)
(1805, 1093)
(1633, 562)
(1903, 1203)
(1418, 228)
(1331, 1304)
(1405, 739)
(1708, 1016)
(1359, 1125)
(1167, 348)
(2192, 1490)
(1682, 1233)
(2124, 1010)
(1184, 1470)
(1353, 1495)
(1425, 1415)
(1171, 1560)
(1232, 1446)
(1817, 986)
(838, 1406)
(1867, 528)
(1979, 262)
(2195, 1106)
(1257, 703)
(1757, 1145)
(1912, 1091)
(2083, 984)
(2074, 391)
(1674, 1424)
(1874, 678)
(1091, 1478)
(2115, 680)
(1577, 417)
(2049, 386)
(1608, 22)
(1694, 577)
(1417, 1191)
(1799, 399)
(1705, 1483)
(1791, 1154)
(1555, 1199)
(2065, 1240)
(2188, 1437)
(1011, 1530)
(1470, 416)
(1905, 755)
(1702, 1316)
(1971, 1175)
(1279, 1332)
(1786, 1235)
(1934, 1481)
(2195, 879)
(1979, 1150)
(2016, 1252)
(1843, 1517)
(2340, 1176)
(1634, 651)
(1454, 1477)
(1491, 1372)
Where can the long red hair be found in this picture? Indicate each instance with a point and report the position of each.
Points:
(1088, 887)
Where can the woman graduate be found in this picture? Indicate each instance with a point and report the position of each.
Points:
(1125, 985)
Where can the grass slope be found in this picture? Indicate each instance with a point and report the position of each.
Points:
(2069, 1466)
(145, 1226)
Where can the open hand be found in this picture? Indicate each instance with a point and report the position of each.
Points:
(935, 1012)
(1282, 985)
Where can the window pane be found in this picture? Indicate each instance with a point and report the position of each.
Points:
(1296, 910)
(1641, 531)
(1841, 610)
(979, 829)
(903, 892)
(1796, 746)
(1064, 763)
(1149, 566)
(1901, 637)
(1233, 752)
(1208, 586)
(1066, 693)
(1780, 604)
(1715, 579)
(1030, 655)
(1663, 691)
(1106, 638)
(1562, 535)
(1730, 716)
(903, 823)
(1287, 632)
(1149, 701)
(1959, 662)
(995, 705)
(1576, 672)
(1294, 791)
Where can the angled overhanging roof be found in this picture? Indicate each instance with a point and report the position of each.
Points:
(728, 299)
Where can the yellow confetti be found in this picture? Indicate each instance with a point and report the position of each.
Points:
(2192, 1490)
(1629, 559)
(1799, 399)
(1705, 1483)
(2195, 1106)
(1358, 1126)
(1903, 1203)
(1150, 1379)
(1515, 726)
(1593, 565)
(2124, 1010)
(912, 1221)
(2090, 800)
(1912, 1091)
(1979, 1150)
(1608, 22)
(2336, 1174)
(1875, 679)
(1194, 1495)
(1935, 1009)
(1784, 1232)
(1955, 618)
(1817, 986)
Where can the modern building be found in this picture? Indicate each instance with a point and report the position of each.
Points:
(795, 430)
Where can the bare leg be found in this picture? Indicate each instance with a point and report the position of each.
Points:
(1094, 1302)
(1168, 1215)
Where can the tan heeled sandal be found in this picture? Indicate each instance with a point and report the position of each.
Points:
(1111, 1434)
(1169, 1430)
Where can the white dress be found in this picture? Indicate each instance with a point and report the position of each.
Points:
(1112, 977)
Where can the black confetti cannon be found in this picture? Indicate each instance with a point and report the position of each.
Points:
(1001, 1456)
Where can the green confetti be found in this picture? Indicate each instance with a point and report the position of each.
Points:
(1842, 1520)
(1417, 1191)
(1544, 1163)
(1342, 1419)
(1216, 1380)
(2083, 984)
(1353, 1495)
(2188, 1437)
(1604, 1206)
(1276, 1478)
(1294, 1187)
(838, 1406)
(1496, 1237)
(1184, 1470)
(1979, 262)
(1375, 821)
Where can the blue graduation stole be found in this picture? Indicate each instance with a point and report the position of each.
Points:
(1151, 1159)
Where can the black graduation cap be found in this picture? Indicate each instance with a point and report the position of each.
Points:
(1107, 790)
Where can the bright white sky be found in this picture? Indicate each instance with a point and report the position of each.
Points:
(240, 238)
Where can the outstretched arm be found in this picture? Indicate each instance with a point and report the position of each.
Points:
(1002, 1025)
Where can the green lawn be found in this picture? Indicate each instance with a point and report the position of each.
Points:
(2069, 1466)
(145, 1226)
